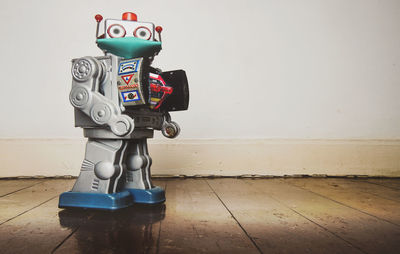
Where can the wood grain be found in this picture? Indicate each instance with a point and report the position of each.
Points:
(19, 202)
(274, 227)
(40, 230)
(391, 183)
(368, 233)
(196, 222)
(384, 204)
(210, 216)
(10, 186)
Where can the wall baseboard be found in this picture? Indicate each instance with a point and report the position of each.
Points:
(267, 157)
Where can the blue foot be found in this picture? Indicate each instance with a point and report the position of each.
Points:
(95, 200)
(155, 195)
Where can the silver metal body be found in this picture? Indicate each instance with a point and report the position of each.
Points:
(116, 152)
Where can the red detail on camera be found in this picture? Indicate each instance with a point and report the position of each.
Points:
(157, 88)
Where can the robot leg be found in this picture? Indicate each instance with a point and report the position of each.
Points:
(98, 179)
(138, 175)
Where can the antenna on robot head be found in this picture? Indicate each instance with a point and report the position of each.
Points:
(98, 19)
(159, 30)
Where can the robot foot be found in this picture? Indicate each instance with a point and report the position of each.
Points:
(114, 201)
(95, 200)
(155, 195)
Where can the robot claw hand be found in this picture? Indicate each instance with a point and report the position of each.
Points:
(170, 129)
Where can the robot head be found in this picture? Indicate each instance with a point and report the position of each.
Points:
(129, 27)
(128, 37)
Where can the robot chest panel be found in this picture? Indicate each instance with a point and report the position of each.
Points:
(130, 83)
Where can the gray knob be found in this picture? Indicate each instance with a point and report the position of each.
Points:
(104, 170)
(123, 125)
(100, 113)
(82, 69)
(79, 97)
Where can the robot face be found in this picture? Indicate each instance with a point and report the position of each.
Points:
(123, 28)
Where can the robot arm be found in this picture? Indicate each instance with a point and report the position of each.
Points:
(178, 100)
(87, 73)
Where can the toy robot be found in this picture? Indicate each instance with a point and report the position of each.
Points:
(119, 100)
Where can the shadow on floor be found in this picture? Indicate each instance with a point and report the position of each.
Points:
(133, 229)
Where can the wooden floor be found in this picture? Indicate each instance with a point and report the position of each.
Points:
(297, 215)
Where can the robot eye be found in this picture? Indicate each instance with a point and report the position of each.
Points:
(116, 31)
(142, 33)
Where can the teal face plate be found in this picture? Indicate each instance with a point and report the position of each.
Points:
(129, 47)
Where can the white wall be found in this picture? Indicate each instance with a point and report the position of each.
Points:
(257, 69)
(262, 69)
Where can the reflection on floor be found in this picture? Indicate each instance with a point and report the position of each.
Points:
(225, 215)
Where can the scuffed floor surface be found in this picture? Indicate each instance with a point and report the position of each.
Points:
(295, 215)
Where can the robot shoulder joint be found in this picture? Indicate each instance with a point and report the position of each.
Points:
(85, 68)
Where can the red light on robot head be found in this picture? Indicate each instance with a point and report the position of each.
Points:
(158, 29)
(98, 18)
(129, 16)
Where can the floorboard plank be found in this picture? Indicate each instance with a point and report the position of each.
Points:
(390, 183)
(19, 202)
(130, 230)
(197, 222)
(377, 190)
(274, 227)
(10, 186)
(368, 233)
(210, 216)
(356, 194)
(39, 230)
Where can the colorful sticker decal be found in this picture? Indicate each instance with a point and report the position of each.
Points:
(128, 67)
(128, 87)
(129, 96)
(127, 78)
